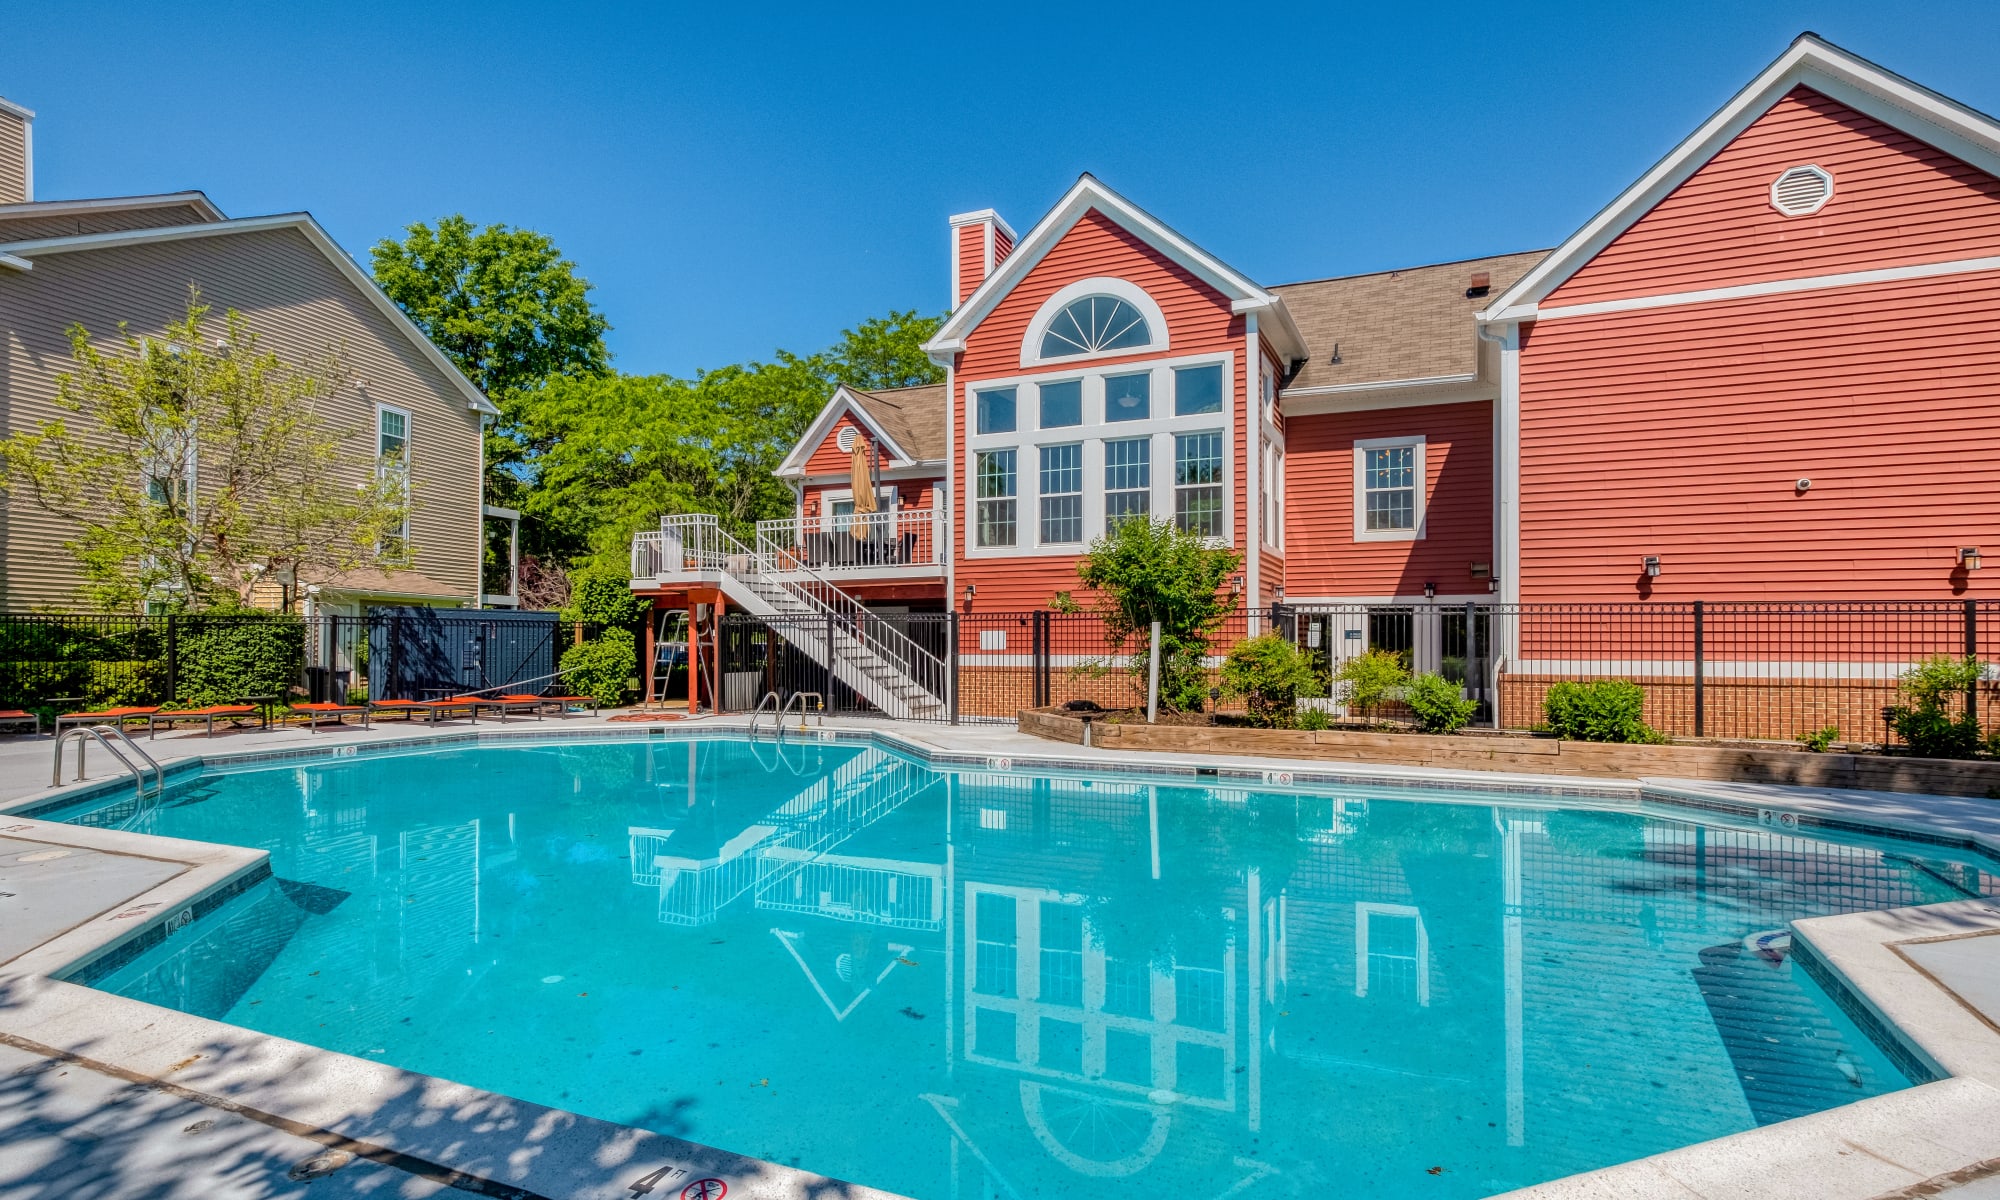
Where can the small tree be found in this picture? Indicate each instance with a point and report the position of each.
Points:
(1270, 674)
(1145, 571)
(191, 467)
(1367, 680)
(1935, 723)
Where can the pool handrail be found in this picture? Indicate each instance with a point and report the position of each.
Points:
(81, 735)
(819, 710)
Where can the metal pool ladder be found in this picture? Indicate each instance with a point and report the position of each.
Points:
(770, 699)
(82, 735)
(799, 698)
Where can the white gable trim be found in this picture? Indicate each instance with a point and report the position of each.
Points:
(199, 201)
(1244, 295)
(1819, 65)
(843, 402)
(303, 222)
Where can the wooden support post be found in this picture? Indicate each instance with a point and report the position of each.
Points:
(693, 660)
(652, 652)
(715, 668)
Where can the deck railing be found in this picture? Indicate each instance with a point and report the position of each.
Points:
(856, 543)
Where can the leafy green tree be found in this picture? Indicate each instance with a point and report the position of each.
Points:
(1149, 570)
(886, 352)
(191, 467)
(1270, 674)
(507, 308)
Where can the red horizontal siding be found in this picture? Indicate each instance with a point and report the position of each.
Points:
(827, 458)
(1002, 246)
(1680, 432)
(971, 251)
(1896, 201)
(1322, 557)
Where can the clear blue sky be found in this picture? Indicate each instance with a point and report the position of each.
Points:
(735, 179)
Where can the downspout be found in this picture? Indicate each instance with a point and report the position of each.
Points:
(1253, 452)
(950, 492)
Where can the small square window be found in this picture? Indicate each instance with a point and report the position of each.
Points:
(1198, 390)
(1128, 397)
(1389, 490)
(1062, 404)
(995, 411)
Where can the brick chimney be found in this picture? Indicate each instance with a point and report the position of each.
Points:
(17, 153)
(980, 241)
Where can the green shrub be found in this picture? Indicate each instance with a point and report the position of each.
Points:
(1314, 717)
(1934, 724)
(1819, 740)
(1604, 710)
(1270, 674)
(601, 667)
(1371, 678)
(224, 660)
(1438, 704)
(601, 597)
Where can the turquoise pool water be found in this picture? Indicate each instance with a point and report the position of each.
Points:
(984, 984)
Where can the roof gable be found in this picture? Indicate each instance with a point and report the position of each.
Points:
(1810, 62)
(21, 256)
(1086, 196)
(879, 414)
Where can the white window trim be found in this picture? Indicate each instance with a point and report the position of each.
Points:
(1421, 508)
(1175, 487)
(1027, 440)
(1102, 285)
(409, 454)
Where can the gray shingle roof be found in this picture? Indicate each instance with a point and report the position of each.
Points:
(914, 417)
(1414, 323)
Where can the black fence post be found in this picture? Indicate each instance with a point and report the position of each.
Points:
(396, 658)
(826, 697)
(1700, 698)
(1039, 638)
(1474, 670)
(951, 664)
(1972, 655)
(173, 658)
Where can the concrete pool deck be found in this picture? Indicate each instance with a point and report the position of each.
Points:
(105, 1096)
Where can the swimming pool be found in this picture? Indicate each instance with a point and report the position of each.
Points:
(982, 983)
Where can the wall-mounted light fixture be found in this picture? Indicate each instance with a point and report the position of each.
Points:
(1235, 583)
(1430, 590)
(971, 590)
(1650, 566)
(1968, 557)
(1278, 594)
(1802, 485)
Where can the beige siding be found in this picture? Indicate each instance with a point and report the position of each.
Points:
(13, 159)
(31, 225)
(300, 305)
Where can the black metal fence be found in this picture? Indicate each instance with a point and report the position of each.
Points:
(71, 661)
(1738, 670)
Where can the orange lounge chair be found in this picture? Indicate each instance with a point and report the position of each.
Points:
(517, 703)
(109, 716)
(21, 716)
(209, 714)
(315, 710)
(433, 710)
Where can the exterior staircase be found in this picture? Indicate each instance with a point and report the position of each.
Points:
(863, 651)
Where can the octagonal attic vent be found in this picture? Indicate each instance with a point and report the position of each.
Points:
(1801, 190)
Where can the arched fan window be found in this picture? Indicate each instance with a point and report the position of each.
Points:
(1094, 325)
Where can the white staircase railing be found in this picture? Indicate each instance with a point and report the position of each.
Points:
(882, 663)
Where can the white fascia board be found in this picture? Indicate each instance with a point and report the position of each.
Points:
(1276, 324)
(12, 109)
(15, 264)
(1847, 78)
(1087, 194)
(303, 222)
(843, 400)
(984, 214)
(56, 208)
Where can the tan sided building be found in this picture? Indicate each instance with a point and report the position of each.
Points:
(132, 259)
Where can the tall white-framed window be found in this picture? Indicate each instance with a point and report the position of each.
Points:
(1134, 405)
(1272, 482)
(1128, 480)
(1389, 489)
(995, 483)
(1062, 494)
(1198, 482)
(392, 458)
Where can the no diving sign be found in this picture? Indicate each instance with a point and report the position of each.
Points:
(705, 1189)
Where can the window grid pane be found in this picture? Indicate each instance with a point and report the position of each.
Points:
(1062, 493)
(1197, 390)
(995, 490)
(1197, 483)
(1128, 397)
(1388, 479)
(996, 411)
(1128, 480)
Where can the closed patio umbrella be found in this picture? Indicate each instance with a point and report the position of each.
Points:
(864, 489)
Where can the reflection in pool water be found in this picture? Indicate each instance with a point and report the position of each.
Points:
(997, 984)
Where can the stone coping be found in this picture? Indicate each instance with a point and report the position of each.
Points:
(1918, 1141)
